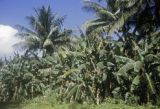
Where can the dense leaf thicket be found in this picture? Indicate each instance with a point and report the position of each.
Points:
(93, 66)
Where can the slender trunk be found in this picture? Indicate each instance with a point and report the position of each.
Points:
(32, 91)
(15, 93)
(98, 96)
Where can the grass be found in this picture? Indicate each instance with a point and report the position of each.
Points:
(49, 102)
(78, 106)
(37, 105)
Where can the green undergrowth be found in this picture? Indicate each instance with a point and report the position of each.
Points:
(86, 106)
(50, 103)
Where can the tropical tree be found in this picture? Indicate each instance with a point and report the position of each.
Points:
(45, 33)
(1, 63)
(26, 77)
(91, 68)
(123, 16)
(112, 16)
(140, 75)
(135, 44)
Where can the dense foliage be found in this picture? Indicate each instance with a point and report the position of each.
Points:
(94, 66)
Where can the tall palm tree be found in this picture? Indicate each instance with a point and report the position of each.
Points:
(103, 17)
(117, 14)
(111, 17)
(45, 33)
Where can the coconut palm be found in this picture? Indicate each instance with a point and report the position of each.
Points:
(123, 16)
(112, 16)
(45, 33)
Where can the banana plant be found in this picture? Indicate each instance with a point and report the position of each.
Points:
(19, 80)
(140, 75)
(86, 71)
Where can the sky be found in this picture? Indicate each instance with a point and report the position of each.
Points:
(13, 12)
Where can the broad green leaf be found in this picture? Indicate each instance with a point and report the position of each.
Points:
(137, 66)
(124, 69)
(136, 80)
(150, 84)
(123, 59)
(82, 66)
(28, 76)
(116, 90)
(104, 77)
(110, 64)
(72, 92)
(100, 65)
(69, 72)
(151, 57)
(45, 72)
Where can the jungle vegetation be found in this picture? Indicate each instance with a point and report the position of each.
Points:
(116, 56)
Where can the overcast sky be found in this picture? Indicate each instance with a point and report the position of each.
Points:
(13, 12)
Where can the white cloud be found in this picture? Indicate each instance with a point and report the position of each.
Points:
(7, 40)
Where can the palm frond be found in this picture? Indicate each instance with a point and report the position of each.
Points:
(54, 29)
(26, 30)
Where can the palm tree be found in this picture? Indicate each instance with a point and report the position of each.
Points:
(111, 17)
(122, 16)
(45, 33)
(103, 17)
(1, 63)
